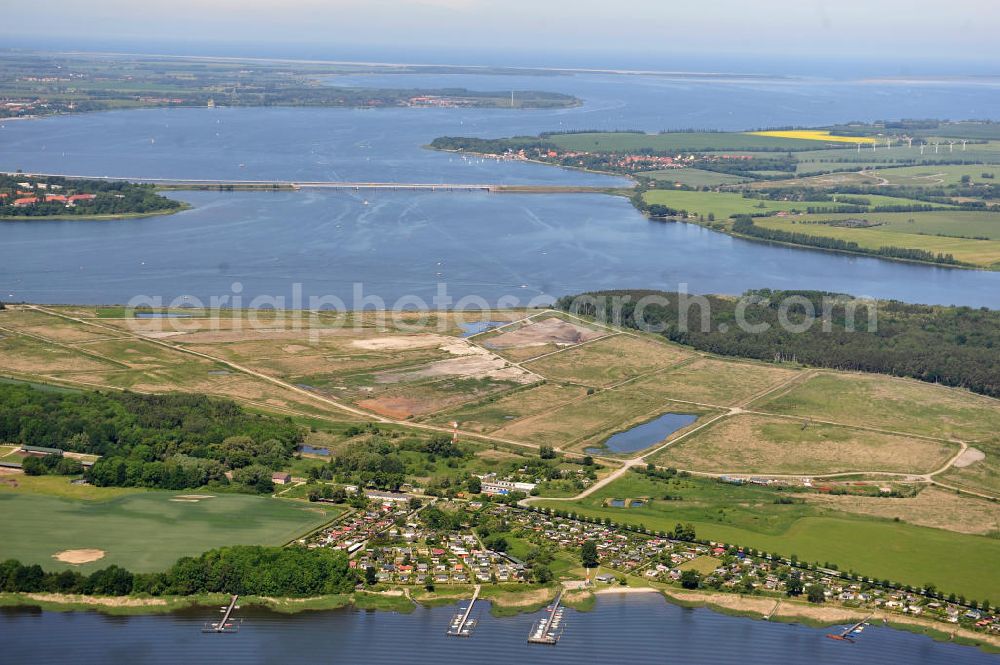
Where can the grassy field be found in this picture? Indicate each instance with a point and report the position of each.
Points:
(980, 476)
(607, 361)
(900, 155)
(930, 175)
(674, 141)
(972, 237)
(592, 419)
(892, 404)
(750, 443)
(727, 204)
(145, 530)
(493, 414)
(694, 177)
(714, 381)
(748, 516)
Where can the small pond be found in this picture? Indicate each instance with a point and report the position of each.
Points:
(645, 435)
(310, 450)
(476, 327)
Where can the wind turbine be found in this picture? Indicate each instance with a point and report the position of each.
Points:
(951, 146)
(922, 146)
(859, 147)
(936, 146)
(964, 141)
(888, 143)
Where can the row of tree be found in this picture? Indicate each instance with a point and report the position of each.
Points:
(745, 226)
(168, 441)
(242, 569)
(956, 346)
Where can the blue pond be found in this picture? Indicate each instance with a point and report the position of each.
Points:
(476, 327)
(646, 434)
(310, 450)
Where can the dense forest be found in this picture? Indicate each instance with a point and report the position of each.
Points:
(110, 197)
(168, 441)
(241, 569)
(955, 346)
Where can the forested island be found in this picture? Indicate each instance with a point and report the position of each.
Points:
(42, 84)
(25, 196)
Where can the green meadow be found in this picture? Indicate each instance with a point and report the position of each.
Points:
(749, 516)
(727, 204)
(146, 531)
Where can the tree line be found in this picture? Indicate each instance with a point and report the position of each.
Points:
(955, 346)
(241, 569)
(743, 225)
(172, 441)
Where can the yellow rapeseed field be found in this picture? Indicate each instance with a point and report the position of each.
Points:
(815, 135)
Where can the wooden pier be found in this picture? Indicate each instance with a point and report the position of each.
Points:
(224, 626)
(548, 629)
(461, 625)
(847, 634)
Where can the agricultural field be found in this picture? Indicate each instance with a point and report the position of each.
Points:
(692, 177)
(144, 530)
(676, 141)
(901, 155)
(814, 135)
(930, 175)
(728, 204)
(749, 516)
(750, 443)
(971, 237)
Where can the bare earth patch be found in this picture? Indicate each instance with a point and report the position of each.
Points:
(402, 342)
(479, 364)
(549, 331)
(969, 457)
(104, 601)
(77, 557)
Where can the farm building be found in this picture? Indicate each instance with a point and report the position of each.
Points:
(40, 451)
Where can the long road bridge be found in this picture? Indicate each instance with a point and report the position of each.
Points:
(268, 185)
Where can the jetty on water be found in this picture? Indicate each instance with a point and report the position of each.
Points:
(225, 625)
(849, 633)
(461, 624)
(549, 629)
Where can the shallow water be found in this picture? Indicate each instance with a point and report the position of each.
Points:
(405, 243)
(637, 629)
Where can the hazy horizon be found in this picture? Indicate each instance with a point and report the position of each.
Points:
(891, 37)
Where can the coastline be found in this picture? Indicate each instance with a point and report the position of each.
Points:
(506, 603)
(726, 231)
(93, 218)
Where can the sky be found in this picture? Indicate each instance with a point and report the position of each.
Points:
(894, 31)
